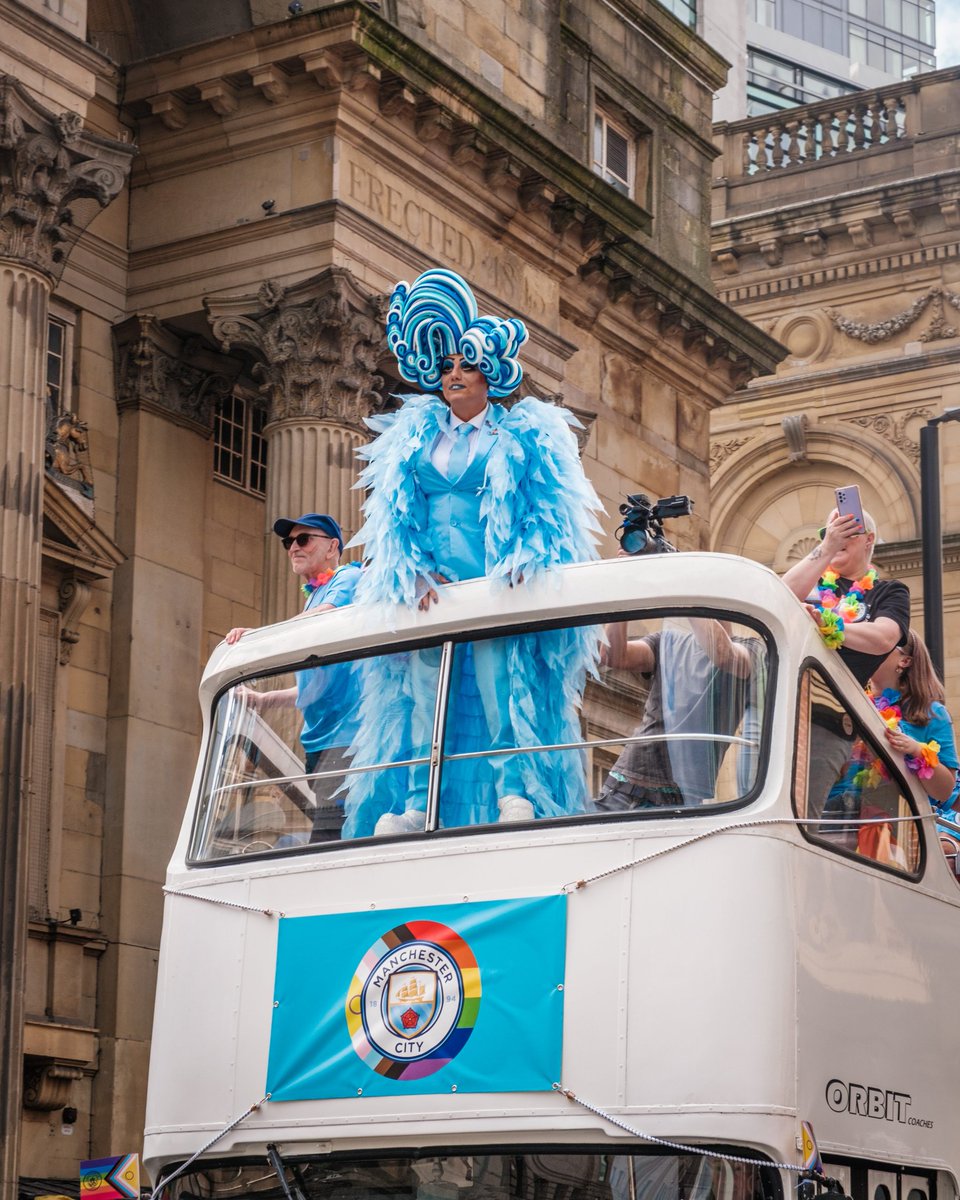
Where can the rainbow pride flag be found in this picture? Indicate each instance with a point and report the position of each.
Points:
(110, 1178)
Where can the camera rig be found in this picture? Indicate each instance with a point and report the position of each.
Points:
(642, 528)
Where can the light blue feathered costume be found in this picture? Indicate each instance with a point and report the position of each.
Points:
(521, 508)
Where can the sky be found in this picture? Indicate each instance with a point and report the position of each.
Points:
(948, 33)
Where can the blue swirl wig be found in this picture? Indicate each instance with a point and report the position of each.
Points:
(436, 316)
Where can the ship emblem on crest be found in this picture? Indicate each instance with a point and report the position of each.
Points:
(411, 1001)
(414, 1000)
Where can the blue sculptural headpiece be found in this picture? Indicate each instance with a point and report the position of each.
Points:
(436, 316)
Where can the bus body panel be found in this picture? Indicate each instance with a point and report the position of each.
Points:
(711, 993)
(878, 978)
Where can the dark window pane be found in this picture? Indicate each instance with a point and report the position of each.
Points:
(617, 154)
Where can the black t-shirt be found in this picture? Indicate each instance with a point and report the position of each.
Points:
(887, 598)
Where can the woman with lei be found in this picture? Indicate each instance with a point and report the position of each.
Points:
(460, 488)
(909, 698)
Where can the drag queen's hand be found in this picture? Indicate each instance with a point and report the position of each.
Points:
(427, 591)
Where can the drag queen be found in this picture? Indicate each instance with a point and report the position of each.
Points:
(459, 488)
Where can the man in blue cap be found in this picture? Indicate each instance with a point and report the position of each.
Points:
(326, 696)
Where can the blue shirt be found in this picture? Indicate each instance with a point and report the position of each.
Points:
(939, 729)
(328, 697)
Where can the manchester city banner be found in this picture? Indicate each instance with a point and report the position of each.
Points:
(410, 1001)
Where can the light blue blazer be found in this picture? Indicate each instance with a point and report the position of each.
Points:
(455, 529)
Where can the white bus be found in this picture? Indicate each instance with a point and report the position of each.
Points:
(642, 996)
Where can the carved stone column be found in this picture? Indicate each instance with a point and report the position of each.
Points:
(317, 346)
(54, 177)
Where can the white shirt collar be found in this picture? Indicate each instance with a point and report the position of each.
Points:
(476, 421)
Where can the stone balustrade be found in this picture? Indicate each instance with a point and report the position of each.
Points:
(851, 124)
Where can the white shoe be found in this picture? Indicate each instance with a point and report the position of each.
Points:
(390, 824)
(515, 808)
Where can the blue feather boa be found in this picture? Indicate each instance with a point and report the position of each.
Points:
(539, 509)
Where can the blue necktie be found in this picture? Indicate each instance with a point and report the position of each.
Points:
(460, 454)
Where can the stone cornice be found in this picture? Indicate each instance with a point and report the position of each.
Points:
(885, 262)
(851, 372)
(55, 177)
(907, 557)
(349, 50)
(349, 45)
(821, 241)
(682, 310)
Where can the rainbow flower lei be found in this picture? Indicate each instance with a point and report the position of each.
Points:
(835, 610)
(872, 773)
(309, 586)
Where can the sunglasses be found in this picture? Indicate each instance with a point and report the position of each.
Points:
(822, 533)
(301, 539)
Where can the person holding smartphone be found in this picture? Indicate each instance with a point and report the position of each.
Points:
(838, 576)
(859, 615)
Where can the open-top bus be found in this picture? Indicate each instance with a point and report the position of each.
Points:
(643, 1001)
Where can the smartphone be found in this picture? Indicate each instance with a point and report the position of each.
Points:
(848, 503)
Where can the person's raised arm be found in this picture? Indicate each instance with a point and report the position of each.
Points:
(632, 656)
(720, 648)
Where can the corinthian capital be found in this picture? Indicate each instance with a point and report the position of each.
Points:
(158, 371)
(317, 345)
(55, 177)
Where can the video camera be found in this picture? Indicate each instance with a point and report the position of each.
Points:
(642, 528)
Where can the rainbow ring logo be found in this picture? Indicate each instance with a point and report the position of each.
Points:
(414, 1000)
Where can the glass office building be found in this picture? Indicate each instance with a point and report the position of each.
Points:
(790, 52)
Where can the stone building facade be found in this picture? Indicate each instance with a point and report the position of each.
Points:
(836, 231)
(203, 208)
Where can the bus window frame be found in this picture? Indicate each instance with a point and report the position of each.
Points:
(522, 1150)
(802, 738)
(448, 643)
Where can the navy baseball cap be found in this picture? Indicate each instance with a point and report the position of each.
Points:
(321, 521)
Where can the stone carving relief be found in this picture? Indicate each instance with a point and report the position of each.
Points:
(55, 176)
(799, 549)
(882, 331)
(68, 454)
(721, 451)
(318, 345)
(153, 371)
(895, 428)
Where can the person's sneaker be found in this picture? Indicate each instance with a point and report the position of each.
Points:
(390, 824)
(515, 808)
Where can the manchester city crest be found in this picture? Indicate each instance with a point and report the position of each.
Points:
(414, 1000)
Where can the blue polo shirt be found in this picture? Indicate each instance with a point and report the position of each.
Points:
(329, 697)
